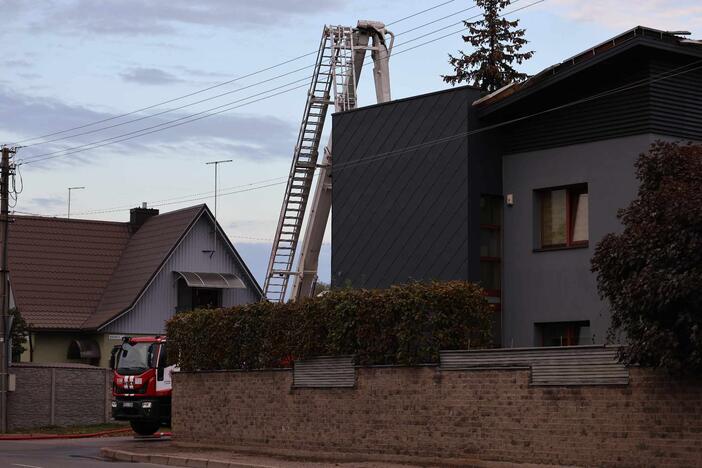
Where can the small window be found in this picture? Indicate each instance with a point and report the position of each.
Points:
(563, 217)
(563, 333)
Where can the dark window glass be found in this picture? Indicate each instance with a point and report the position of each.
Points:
(490, 273)
(490, 243)
(563, 333)
(491, 210)
(206, 298)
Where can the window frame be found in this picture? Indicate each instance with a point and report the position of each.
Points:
(572, 191)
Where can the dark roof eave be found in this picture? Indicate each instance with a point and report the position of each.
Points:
(465, 87)
(553, 75)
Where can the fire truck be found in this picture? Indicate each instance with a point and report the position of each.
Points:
(141, 383)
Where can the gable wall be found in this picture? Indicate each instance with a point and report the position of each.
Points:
(159, 302)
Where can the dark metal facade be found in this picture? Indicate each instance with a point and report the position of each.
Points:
(399, 213)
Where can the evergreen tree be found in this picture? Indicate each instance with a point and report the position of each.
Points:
(497, 43)
(18, 334)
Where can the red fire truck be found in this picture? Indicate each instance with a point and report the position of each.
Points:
(142, 383)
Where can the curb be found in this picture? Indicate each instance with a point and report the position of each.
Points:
(61, 436)
(170, 460)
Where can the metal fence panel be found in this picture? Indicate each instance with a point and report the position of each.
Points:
(568, 365)
(325, 372)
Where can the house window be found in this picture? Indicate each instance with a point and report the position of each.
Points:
(563, 217)
(197, 298)
(563, 333)
(491, 244)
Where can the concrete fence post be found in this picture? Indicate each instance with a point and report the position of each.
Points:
(108, 395)
(52, 403)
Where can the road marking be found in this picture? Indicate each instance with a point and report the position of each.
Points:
(26, 466)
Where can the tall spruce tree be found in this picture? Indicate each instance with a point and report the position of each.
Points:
(497, 43)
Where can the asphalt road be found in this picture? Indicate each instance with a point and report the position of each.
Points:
(62, 453)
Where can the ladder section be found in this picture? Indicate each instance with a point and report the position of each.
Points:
(333, 61)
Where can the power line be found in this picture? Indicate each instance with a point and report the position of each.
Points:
(209, 88)
(213, 111)
(160, 127)
(209, 194)
(174, 109)
(687, 68)
(190, 104)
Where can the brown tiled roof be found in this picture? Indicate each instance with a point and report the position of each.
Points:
(78, 274)
(59, 268)
(146, 251)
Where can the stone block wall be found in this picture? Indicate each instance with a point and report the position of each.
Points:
(59, 395)
(402, 414)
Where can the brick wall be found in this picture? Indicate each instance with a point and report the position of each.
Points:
(58, 395)
(457, 416)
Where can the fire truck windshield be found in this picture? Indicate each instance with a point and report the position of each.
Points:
(135, 358)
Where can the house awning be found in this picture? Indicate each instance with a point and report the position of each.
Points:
(211, 280)
(83, 349)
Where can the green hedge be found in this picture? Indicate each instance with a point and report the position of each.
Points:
(406, 325)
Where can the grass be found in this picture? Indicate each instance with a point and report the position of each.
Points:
(89, 429)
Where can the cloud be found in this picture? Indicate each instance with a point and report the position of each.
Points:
(47, 203)
(620, 15)
(201, 73)
(239, 135)
(149, 76)
(18, 63)
(149, 17)
(29, 76)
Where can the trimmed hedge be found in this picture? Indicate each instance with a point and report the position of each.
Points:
(406, 324)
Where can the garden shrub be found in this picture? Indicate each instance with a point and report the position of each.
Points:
(406, 325)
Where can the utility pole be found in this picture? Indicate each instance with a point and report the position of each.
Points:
(214, 235)
(5, 168)
(69, 198)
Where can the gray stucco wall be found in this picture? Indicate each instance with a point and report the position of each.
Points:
(159, 302)
(555, 286)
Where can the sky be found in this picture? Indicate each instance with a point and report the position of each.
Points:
(70, 63)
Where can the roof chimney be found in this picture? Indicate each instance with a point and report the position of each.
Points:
(138, 216)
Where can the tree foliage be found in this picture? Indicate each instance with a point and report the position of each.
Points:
(406, 324)
(497, 43)
(18, 334)
(651, 273)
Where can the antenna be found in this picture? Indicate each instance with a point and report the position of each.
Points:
(69, 198)
(214, 235)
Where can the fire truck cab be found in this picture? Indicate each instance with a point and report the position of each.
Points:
(142, 383)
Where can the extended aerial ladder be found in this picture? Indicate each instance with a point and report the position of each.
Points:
(338, 66)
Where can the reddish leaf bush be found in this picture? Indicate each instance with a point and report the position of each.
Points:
(651, 273)
(406, 325)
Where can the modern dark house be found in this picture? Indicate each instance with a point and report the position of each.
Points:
(512, 189)
(82, 285)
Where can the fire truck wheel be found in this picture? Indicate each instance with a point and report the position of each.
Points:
(144, 427)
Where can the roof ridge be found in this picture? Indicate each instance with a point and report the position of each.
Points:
(199, 206)
(69, 220)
